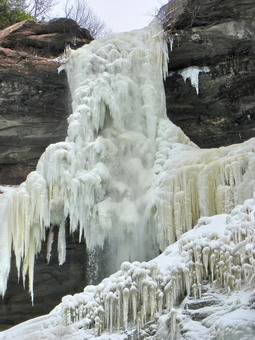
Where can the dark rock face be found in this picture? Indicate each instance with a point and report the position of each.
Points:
(35, 100)
(33, 111)
(220, 35)
(47, 39)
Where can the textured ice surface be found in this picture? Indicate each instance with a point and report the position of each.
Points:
(99, 176)
(125, 173)
(200, 287)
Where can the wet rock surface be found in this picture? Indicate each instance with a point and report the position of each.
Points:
(33, 112)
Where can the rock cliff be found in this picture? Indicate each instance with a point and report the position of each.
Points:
(221, 36)
(35, 102)
(34, 98)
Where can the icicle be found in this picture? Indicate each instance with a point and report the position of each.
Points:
(61, 244)
(198, 270)
(120, 288)
(187, 279)
(133, 294)
(110, 298)
(167, 291)
(152, 298)
(5, 247)
(49, 244)
(126, 294)
(145, 301)
(194, 290)
(98, 325)
(206, 251)
(193, 74)
(212, 264)
(173, 314)
(160, 300)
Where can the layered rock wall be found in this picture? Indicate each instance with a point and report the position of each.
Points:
(219, 35)
(35, 101)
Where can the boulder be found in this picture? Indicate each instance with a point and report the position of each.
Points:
(45, 39)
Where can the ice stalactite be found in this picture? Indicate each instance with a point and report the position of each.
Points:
(218, 250)
(192, 73)
(190, 182)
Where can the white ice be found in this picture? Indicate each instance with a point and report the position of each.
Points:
(100, 175)
(192, 73)
(165, 289)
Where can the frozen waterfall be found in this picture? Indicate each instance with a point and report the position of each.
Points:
(125, 173)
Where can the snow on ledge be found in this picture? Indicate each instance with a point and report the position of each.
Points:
(4, 188)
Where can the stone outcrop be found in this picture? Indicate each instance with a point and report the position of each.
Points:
(33, 111)
(221, 36)
(46, 39)
(35, 101)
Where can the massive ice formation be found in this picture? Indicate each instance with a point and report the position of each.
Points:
(219, 250)
(98, 178)
(191, 182)
(125, 173)
(211, 267)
